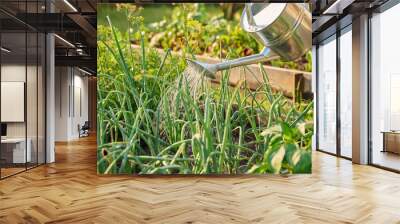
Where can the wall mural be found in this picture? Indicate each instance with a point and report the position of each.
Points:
(204, 89)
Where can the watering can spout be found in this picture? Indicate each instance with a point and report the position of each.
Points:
(203, 68)
(283, 28)
(209, 69)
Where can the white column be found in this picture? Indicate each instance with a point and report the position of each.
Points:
(360, 90)
(50, 100)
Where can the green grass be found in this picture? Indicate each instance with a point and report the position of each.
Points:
(152, 13)
(151, 123)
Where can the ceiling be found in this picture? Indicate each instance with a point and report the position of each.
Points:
(332, 15)
(73, 21)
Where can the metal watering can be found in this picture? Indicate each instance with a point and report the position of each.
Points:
(283, 28)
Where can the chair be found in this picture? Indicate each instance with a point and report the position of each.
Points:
(84, 130)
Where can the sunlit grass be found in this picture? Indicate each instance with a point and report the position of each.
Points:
(150, 122)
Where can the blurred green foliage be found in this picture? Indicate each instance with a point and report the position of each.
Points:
(201, 29)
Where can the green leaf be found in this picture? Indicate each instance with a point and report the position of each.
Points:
(304, 165)
(276, 129)
(277, 158)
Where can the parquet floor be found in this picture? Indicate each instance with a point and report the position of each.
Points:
(10, 171)
(69, 191)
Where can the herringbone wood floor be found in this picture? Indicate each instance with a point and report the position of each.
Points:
(69, 191)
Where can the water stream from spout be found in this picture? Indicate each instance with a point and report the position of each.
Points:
(191, 82)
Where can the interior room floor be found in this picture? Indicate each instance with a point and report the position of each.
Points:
(10, 171)
(69, 191)
(387, 159)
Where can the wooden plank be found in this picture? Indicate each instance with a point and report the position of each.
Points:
(281, 79)
(70, 191)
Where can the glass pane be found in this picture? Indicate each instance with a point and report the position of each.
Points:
(32, 97)
(13, 86)
(346, 94)
(385, 85)
(327, 96)
(32, 86)
(22, 88)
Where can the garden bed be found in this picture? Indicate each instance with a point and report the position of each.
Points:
(292, 83)
(157, 115)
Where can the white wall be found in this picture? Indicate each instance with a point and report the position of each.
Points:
(13, 101)
(33, 126)
(62, 81)
(79, 117)
(12, 73)
(70, 83)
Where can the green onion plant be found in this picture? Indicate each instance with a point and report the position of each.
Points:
(151, 121)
